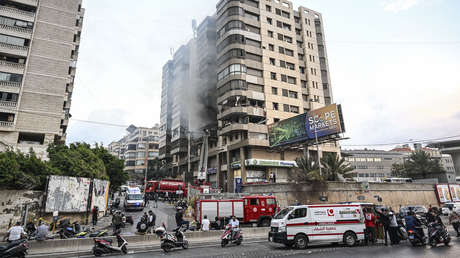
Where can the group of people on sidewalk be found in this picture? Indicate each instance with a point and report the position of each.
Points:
(384, 224)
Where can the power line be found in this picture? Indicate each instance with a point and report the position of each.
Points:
(395, 42)
(99, 123)
(406, 142)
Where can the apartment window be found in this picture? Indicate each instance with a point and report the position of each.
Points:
(280, 36)
(294, 109)
(286, 14)
(282, 64)
(299, 44)
(269, 21)
(141, 146)
(298, 32)
(281, 50)
(292, 80)
(141, 154)
(301, 57)
(272, 61)
(6, 96)
(285, 93)
(296, 19)
(231, 25)
(10, 77)
(268, 8)
(271, 47)
(276, 120)
(274, 91)
(291, 66)
(232, 39)
(140, 162)
(233, 53)
(279, 24)
(275, 106)
(270, 34)
(287, 26)
(285, 107)
(325, 86)
(304, 84)
(283, 78)
(16, 23)
(305, 97)
(302, 69)
(288, 39)
(273, 76)
(231, 70)
(278, 11)
(307, 21)
(293, 94)
(13, 40)
(289, 52)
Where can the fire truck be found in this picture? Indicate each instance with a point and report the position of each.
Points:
(256, 209)
(174, 187)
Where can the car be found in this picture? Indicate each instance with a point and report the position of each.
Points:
(448, 206)
(418, 209)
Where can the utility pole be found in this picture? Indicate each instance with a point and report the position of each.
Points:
(187, 177)
(317, 152)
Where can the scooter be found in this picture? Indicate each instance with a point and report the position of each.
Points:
(14, 249)
(104, 245)
(437, 233)
(170, 240)
(417, 237)
(226, 237)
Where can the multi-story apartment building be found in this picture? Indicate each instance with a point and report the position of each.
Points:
(272, 65)
(137, 148)
(39, 42)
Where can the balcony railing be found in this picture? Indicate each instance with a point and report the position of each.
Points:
(27, 2)
(6, 124)
(8, 103)
(17, 11)
(10, 84)
(16, 29)
(12, 65)
(14, 47)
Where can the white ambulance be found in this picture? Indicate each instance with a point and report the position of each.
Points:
(302, 225)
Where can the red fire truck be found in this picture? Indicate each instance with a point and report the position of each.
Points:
(249, 209)
(174, 188)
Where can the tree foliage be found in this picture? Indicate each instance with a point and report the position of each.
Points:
(333, 168)
(156, 170)
(420, 165)
(308, 169)
(27, 171)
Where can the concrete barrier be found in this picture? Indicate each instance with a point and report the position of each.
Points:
(79, 245)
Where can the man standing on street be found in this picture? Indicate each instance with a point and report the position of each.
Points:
(151, 220)
(385, 221)
(454, 219)
(95, 214)
(155, 196)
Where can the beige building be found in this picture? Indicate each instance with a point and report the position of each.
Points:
(39, 42)
(139, 147)
(272, 65)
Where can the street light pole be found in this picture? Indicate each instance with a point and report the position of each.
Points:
(317, 152)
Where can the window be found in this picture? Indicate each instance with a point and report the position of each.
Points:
(288, 39)
(141, 154)
(286, 14)
(299, 44)
(275, 106)
(280, 36)
(271, 47)
(140, 162)
(16, 23)
(291, 66)
(282, 64)
(304, 84)
(269, 21)
(298, 32)
(296, 19)
(253, 201)
(289, 52)
(305, 97)
(232, 39)
(278, 11)
(285, 107)
(268, 8)
(274, 91)
(233, 53)
(302, 69)
(293, 94)
(231, 70)
(279, 24)
(13, 40)
(301, 57)
(10, 77)
(281, 50)
(292, 80)
(272, 61)
(232, 85)
(325, 86)
(141, 146)
(273, 76)
(276, 120)
(285, 93)
(283, 78)
(299, 213)
(270, 34)
(294, 109)
(287, 26)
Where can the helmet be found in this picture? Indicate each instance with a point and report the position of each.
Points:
(160, 231)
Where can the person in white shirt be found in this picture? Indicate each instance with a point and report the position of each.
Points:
(205, 223)
(16, 232)
(235, 224)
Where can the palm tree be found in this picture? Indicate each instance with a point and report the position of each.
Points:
(420, 164)
(308, 169)
(335, 168)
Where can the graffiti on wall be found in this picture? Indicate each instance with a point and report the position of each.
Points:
(67, 194)
(100, 194)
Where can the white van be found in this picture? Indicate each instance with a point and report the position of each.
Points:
(134, 199)
(328, 223)
(455, 206)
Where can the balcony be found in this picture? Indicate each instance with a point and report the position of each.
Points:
(4, 124)
(27, 2)
(14, 50)
(258, 128)
(252, 111)
(10, 67)
(12, 87)
(17, 14)
(15, 31)
(8, 104)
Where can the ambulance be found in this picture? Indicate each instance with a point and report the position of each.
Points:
(303, 225)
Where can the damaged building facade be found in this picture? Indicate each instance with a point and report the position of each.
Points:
(270, 64)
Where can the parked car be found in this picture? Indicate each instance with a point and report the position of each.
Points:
(447, 206)
(418, 209)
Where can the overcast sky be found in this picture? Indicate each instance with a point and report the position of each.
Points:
(394, 65)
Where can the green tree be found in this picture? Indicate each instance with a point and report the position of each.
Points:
(335, 167)
(308, 169)
(113, 166)
(398, 170)
(420, 165)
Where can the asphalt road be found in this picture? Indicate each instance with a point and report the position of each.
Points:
(262, 248)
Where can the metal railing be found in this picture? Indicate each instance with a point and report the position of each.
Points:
(16, 29)
(10, 84)
(12, 65)
(6, 124)
(4, 103)
(17, 11)
(14, 47)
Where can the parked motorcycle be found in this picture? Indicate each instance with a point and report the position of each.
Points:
(417, 237)
(402, 231)
(14, 249)
(170, 240)
(437, 233)
(100, 233)
(227, 238)
(104, 245)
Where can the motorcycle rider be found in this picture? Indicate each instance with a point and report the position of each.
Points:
(235, 225)
(15, 233)
(454, 219)
(413, 223)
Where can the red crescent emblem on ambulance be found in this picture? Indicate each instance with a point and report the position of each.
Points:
(330, 212)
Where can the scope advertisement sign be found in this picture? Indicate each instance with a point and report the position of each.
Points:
(325, 121)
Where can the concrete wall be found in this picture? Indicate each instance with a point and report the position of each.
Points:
(392, 194)
(12, 206)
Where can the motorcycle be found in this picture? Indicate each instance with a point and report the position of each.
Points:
(170, 240)
(402, 231)
(100, 233)
(181, 204)
(437, 233)
(71, 231)
(417, 237)
(227, 238)
(104, 245)
(14, 249)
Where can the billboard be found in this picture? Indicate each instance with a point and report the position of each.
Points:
(323, 121)
(455, 192)
(67, 194)
(442, 192)
(100, 194)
